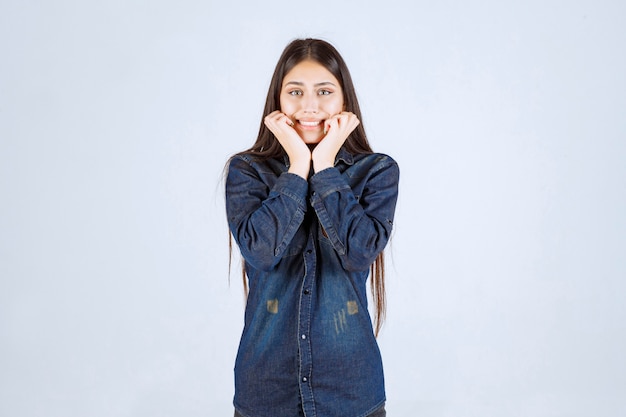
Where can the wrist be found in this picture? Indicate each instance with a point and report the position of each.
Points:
(322, 164)
(300, 168)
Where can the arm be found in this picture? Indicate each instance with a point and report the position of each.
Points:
(262, 218)
(358, 228)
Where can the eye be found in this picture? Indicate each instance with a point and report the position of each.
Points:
(295, 93)
(324, 92)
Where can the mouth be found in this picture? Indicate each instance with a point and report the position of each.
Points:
(310, 123)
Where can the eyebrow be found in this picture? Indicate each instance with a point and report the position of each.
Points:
(299, 83)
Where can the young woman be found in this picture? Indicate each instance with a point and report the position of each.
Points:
(311, 208)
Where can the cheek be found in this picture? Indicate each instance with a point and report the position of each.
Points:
(286, 107)
(337, 106)
(283, 100)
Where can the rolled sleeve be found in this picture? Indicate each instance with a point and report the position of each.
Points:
(264, 211)
(357, 226)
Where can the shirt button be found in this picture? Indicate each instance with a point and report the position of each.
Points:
(309, 251)
(307, 292)
(303, 336)
(304, 379)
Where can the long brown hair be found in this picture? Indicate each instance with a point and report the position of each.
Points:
(267, 146)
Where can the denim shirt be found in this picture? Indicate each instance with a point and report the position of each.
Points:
(307, 339)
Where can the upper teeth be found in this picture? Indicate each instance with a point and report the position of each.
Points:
(309, 123)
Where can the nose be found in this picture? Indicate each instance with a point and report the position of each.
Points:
(310, 103)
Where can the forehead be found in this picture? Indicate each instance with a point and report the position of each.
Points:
(309, 73)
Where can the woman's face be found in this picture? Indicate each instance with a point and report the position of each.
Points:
(310, 94)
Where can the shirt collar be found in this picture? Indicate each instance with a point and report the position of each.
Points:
(344, 156)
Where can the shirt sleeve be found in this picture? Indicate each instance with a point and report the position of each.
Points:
(358, 227)
(263, 218)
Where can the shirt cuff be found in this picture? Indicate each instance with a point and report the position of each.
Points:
(294, 187)
(328, 181)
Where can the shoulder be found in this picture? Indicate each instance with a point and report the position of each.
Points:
(243, 158)
(249, 161)
(376, 161)
(250, 166)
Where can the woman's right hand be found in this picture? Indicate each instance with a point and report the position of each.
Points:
(297, 151)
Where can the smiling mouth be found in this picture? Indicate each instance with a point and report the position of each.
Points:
(310, 124)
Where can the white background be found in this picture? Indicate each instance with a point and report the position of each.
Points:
(507, 269)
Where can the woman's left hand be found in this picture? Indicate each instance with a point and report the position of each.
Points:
(338, 128)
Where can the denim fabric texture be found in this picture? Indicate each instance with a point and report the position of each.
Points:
(381, 412)
(308, 341)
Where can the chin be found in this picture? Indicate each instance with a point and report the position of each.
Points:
(312, 140)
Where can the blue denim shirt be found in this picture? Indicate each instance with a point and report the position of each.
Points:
(308, 245)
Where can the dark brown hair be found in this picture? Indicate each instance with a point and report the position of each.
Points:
(267, 146)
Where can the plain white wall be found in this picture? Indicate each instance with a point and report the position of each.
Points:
(507, 270)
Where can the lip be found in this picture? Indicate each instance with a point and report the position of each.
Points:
(310, 124)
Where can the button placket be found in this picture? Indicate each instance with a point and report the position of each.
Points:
(304, 327)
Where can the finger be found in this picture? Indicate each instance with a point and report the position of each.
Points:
(347, 116)
(270, 118)
(286, 119)
(331, 123)
(277, 116)
(277, 120)
(273, 115)
(342, 117)
(348, 120)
